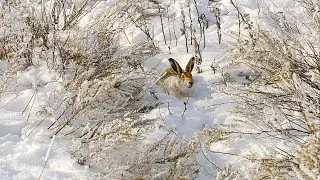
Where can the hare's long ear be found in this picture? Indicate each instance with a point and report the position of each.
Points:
(190, 64)
(175, 66)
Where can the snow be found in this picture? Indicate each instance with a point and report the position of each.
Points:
(23, 155)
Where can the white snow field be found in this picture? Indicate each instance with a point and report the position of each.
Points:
(22, 148)
(25, 137)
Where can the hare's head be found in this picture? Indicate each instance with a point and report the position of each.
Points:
(185, 76)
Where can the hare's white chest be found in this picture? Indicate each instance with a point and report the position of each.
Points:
(172, 82)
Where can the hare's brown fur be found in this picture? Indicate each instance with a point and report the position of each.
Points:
(175, 77)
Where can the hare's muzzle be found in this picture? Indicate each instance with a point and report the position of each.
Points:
(187, 79)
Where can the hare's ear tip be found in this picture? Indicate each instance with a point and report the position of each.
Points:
(171, 59)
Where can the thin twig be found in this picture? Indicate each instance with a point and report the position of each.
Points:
(185, 107)
(37, 125)
(208, 158)
(169, 109)
(30, 100)
(58, 117)
(72, 131)
(47, 156)
(232, 154)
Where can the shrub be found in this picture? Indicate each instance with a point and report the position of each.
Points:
(282, 100)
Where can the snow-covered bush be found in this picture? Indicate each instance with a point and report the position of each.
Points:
(20, 40)
(282, 98)
(108, 99)
(15, 35)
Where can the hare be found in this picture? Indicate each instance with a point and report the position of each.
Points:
(176, 81)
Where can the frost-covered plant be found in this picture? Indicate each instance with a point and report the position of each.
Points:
(15, 35)
(282, 99)
(107, 98)
(172, 157)
(18, 39)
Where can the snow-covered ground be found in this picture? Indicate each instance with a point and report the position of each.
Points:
(23, 157)
(25, 138)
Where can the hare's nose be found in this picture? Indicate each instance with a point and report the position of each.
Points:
(191, 83)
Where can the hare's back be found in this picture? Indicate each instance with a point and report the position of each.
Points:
(171, 81)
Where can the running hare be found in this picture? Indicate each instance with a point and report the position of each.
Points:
(176, 81)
